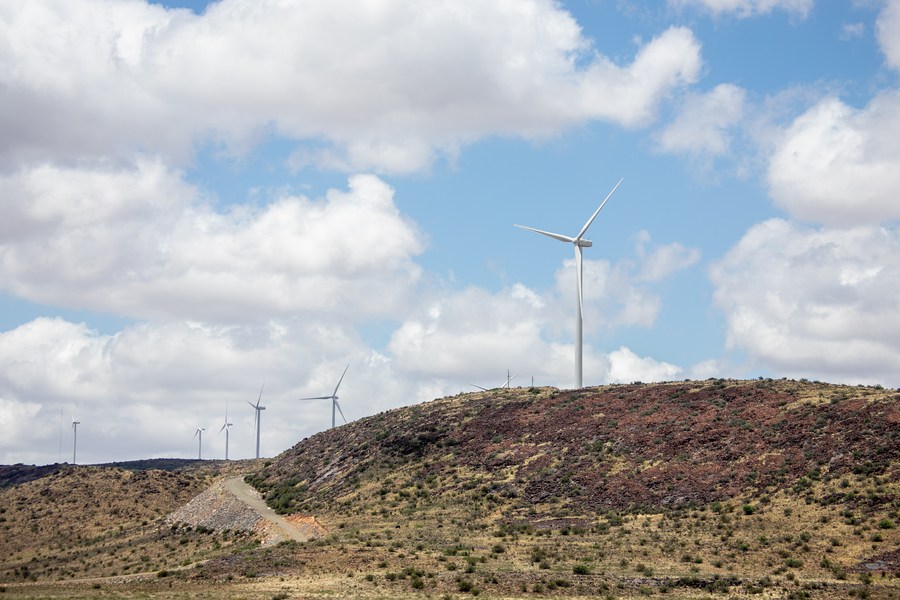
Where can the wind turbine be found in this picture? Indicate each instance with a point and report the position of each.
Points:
(579, 242)
(75, 425)
(506, 384)
(225, 427)
(199, 435)
(256, 417)
(334, 398)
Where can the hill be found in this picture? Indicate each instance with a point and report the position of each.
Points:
(733, 485)
(62, 522)
(623, 447)
(762, 488)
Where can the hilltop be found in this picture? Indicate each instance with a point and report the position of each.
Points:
(773, 488)
(639, 447)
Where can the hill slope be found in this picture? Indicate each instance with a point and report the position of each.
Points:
(617, 447)
(740, 486)
(62, 522)
(763, 488)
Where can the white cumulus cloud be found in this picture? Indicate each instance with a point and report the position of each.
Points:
(625, 367)
(748, 8)
(141, 243)
(142, 391)
(887, 28)
(388, 85)
(839, 165)
(703, 125)
(815, 302)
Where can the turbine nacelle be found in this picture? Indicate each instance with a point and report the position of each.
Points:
(584, 243)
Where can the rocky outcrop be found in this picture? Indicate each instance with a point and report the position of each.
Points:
(218, 509)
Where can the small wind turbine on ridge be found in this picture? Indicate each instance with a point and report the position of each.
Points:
(334, 398)
(225, 427)
(506, 384)
(75, 425)
(579, 242)
(199, 435)
(256, 417)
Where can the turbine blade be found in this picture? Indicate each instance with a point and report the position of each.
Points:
(336, 403)
(597, 212)
(509, 381)
(341, 379)
(223, 426)
(479, 387)
(555, 236)
(578, 265)
(317, 398)
(260, 394)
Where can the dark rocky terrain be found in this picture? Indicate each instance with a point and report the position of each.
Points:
(620, 447)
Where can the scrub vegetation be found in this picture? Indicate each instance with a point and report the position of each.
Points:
(712, 489)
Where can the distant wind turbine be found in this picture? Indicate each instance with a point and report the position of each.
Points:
(257, 416)
(75, 425)
(225, 427)
(579, 242)
(334, 398)
(506, 384)
(199, 435)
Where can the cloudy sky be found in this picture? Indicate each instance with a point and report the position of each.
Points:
(201, 199)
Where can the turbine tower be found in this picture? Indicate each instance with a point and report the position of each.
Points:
(257, 416)
(199, 435)
(225, 427)
(75, 425)
(579, 242)
(334, 398)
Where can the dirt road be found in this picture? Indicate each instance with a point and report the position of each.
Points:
(245, 493)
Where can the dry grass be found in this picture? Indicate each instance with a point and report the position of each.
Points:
(446, 500)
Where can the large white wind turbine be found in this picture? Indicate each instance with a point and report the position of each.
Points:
(75, 425)
(579, 242)
(199, 435)
(256, 417)
(225, 427)
(334, 398)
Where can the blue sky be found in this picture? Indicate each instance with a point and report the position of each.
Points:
(202, 199)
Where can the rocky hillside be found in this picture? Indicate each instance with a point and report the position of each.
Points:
(619, 447)
(719, 488)
(64, 521)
